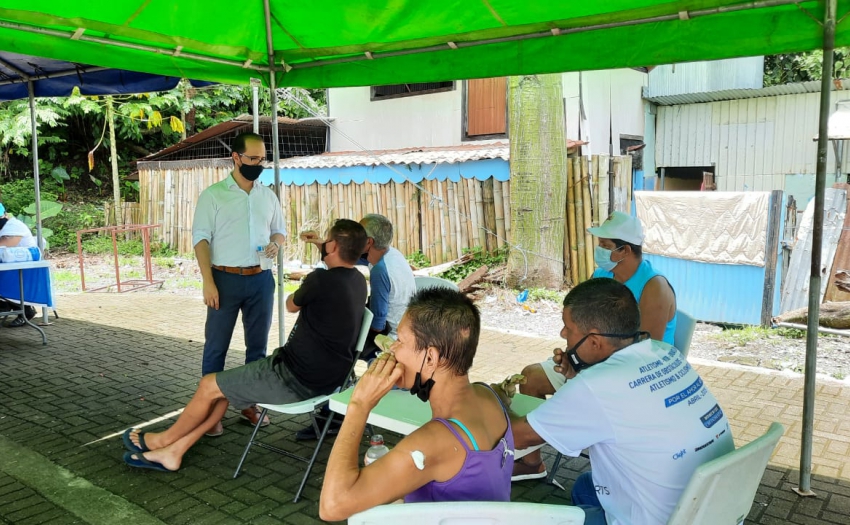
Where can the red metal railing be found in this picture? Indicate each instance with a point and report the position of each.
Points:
(131, 284)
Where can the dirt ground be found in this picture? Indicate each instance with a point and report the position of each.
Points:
(773, 349)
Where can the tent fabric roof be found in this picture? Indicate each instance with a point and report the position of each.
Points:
(327, 43)
(57, 78)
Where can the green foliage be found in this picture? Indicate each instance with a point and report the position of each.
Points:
(130, 191)
(419, 260)
(803, 67)
(545, 294)
(750, 334)
(18, 194)
(74, 216)
(479, 259)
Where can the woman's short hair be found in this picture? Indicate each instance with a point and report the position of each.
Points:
(448, 321)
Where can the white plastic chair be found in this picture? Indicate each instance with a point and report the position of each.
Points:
(469, 513)
(308, 406)
(721, 491)
(423, 282)
(685, 326)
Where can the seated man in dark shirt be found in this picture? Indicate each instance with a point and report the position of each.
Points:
(314, 360)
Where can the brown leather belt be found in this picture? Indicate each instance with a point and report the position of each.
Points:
(241, 270)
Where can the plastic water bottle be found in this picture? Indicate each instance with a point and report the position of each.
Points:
(265, 262)
(376, 450)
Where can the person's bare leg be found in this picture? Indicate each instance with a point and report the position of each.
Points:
(171, 456)
(537, 384)
(194, 416)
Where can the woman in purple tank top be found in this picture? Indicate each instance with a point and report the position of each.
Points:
(465, 453)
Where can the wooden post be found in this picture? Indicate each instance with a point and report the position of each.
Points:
(506, 197)
(401, 226)
(579, 215)
(571, 251)
(489, 213)
(499, 213)
(771, 256)
(604, 190)
(588, 239)
(596, 198)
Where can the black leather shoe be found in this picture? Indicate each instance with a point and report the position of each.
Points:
(17, 322)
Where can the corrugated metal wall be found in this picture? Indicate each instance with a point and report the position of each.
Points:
(699, 77)
(753, 143)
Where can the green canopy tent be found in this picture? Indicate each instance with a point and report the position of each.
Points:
(330, 43)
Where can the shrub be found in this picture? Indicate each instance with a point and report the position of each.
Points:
(479, 259)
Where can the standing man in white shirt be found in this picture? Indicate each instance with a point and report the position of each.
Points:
(237, 222)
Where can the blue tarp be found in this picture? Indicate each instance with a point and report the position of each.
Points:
(56, 78)
(476, 169)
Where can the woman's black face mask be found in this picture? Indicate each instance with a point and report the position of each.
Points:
(420, 389)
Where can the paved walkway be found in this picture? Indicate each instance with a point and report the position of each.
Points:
(117, 360)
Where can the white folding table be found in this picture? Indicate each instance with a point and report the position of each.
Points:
(400, 412)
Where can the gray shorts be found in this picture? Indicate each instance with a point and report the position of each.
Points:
(261, 381)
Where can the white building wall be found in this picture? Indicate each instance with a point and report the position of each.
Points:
(437, 119)
(755, 144)
(424, 120)
(612, 101)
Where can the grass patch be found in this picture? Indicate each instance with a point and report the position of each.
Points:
(65, 276)
(164, 262)
(545, 294)
(748, 334)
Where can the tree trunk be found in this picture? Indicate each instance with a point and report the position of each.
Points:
(538, 181)
(113, 155)
(832, 315)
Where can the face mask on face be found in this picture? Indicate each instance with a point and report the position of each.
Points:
(580, 364)
(3, 221)
(602, 258)
(420, 389)
(251, 173)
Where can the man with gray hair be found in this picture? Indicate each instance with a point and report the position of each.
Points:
(390, 279)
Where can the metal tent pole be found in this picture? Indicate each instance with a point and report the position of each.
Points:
(39, 238)
(276, 160)
(255, 91)
(817, 242)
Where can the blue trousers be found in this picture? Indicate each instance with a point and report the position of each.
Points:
(254, 296)
(585, 497)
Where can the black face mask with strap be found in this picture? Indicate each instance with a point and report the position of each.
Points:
(420, 389)
(579, 364)
(3, 221)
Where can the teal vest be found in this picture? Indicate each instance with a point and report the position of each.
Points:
(636, 283)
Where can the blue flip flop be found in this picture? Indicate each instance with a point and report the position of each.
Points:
(141, 461)
(129, 445)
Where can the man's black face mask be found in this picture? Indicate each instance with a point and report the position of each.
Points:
(580, 364)
(3, 221)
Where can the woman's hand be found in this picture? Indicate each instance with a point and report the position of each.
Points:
(379, 379)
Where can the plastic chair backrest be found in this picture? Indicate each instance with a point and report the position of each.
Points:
(685, 326)
(423, 282)
(722, 490)
(470, 512)
(364, 332)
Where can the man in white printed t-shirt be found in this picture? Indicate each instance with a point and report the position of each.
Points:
(645, 415)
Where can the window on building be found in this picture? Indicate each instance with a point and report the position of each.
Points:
(684, 178)
(410, 90)
(486, 108)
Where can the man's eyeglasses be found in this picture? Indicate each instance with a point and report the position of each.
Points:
(251, 158)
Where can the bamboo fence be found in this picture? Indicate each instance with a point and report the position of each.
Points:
(446, 220)
(442, 222)
(589, 190)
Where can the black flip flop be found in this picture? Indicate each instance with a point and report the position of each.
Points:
(141, 461)
(129, 445)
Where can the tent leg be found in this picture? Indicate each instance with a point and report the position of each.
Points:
(805, 488)
(281, 332)
(39, 238)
